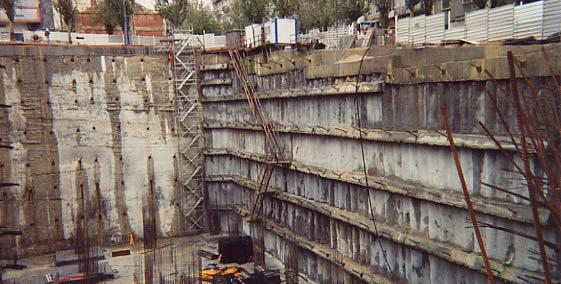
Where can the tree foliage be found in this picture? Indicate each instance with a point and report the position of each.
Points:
(427, 6)
(110, 14)
(321, 13)
(285, 8)
(480, 3)
(9, 8)
(317, 14)
(175, 12)
(351, 10)
(411, 6)
(201, 19)
(310, 13)
(68, 12)
(246, 12)
(384, 7)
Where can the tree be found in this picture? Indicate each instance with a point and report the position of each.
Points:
(480, 3)
(411, 4)
(384, 7)
(200, 19)
(175, 13)
(111, 13)
(427, 6)
(317, 14)
(350, 10)
(105, 16)
(285, 8)
(246, 12)
(68, 12)
(9, 7)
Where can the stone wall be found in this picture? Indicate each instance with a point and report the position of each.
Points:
(97, 123)
(319, 208)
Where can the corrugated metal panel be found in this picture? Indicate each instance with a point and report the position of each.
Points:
(403, 31)
(528, 20)
(476, 25)
(455, 33)
(434, 27)
(551, 17)
(501, 23)
(417, 30)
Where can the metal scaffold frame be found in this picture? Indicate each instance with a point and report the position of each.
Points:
(189, 122)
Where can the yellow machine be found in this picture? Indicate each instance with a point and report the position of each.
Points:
(209, 274)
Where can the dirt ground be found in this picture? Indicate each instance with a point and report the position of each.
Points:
(184, 249)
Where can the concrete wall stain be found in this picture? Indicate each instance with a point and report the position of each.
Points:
(321, 197)
(84, 103)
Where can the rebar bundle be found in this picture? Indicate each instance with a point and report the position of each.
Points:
(535, 135)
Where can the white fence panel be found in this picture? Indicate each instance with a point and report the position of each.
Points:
(208, 40)
(434, 26)
(456, 33)
(145, 40)
(220, 41)
(501, 23)
(97, 39)
(528, 19)
(56, 36)
(402, 31)
(538, 19)
(92, 39)
(551, 17)
(477, 25)
(417, 30)
(115, 39)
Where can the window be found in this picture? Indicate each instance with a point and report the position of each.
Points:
(445, 5)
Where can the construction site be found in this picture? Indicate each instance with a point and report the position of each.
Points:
(280, 163)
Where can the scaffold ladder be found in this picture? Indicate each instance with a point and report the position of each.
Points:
(189, 122)
(275, 155)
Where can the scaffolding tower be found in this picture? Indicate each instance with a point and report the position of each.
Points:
(189, 123)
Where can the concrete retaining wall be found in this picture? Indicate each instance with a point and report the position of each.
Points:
(89, 121)
(319, 201)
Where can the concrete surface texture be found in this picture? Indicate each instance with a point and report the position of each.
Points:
(318, 210)
(93, 132)
(88, 122)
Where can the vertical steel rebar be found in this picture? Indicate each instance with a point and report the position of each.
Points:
(472, 215)
(527, 169)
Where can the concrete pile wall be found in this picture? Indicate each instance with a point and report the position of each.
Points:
(318, 218)
(85, 121)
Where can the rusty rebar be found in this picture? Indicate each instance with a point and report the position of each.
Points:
(518, 233)
(528, 171)
(473, 217)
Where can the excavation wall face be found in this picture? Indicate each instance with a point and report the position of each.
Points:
(91, 130)
(318, 218)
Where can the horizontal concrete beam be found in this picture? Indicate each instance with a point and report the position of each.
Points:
(358, 270)
(395, 234)
(506, 210)
(421, 137)
(411, 66)
(216, 82)
(215, 67)
(337, 90)
(475, 69)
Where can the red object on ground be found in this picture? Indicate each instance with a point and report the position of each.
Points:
(71, 277)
